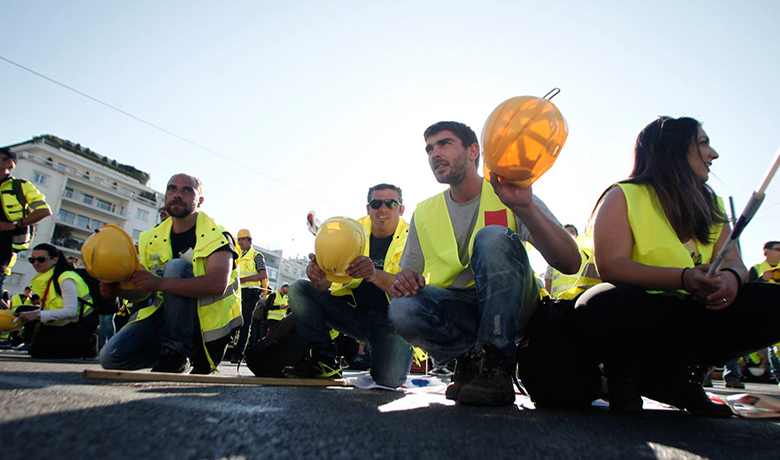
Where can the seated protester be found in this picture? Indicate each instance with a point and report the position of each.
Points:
(657, 321)
(63, 327)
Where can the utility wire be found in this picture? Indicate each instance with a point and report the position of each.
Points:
(159, 128)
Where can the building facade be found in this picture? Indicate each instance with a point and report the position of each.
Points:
(85, 192)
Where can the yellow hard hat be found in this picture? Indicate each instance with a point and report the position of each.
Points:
(522, 138)
(338, 242)
(7, 324)
(244, 233)
(110, 256)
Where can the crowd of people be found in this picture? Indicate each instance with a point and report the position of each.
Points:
(454, 282)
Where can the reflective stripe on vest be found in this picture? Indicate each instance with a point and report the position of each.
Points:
(248, 267)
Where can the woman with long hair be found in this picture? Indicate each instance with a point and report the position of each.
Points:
(658, 322)
(65, 326)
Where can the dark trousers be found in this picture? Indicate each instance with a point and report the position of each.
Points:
(249, 299)
(624, 324)
(63, 342)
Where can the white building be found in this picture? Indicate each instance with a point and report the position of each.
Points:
(85, 191)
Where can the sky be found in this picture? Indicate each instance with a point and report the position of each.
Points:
(286, 107)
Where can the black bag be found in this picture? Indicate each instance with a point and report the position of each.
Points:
(280, 348)
(552, 361)
(101, 305)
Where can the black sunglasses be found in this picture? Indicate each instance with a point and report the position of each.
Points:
(40, 259)
(391, 204)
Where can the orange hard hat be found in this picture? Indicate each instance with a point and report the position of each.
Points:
(338, 242)
(110, 256)
(522, 138)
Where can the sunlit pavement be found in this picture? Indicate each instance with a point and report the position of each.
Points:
(49, 411)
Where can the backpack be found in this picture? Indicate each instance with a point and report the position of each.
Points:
(281, 348)
(552, 361)
(101, 305)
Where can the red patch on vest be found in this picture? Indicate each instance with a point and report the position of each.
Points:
(496, 218)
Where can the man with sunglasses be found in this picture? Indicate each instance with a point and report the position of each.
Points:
(23, 205)
(190, 267)
(359, 308)
(466, 289)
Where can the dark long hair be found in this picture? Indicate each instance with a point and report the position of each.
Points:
(661, 160)
(62, 264)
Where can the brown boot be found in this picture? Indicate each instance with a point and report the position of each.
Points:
(466, 368)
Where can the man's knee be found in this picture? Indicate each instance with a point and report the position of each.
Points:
(178, 268)
(401, 313)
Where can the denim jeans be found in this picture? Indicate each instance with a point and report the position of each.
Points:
(106, 329)
(174, 326)
(447, 323)
(316, 312)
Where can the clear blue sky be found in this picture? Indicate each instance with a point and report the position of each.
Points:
(309, 103)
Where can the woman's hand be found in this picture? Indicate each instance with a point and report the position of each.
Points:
(715, 292)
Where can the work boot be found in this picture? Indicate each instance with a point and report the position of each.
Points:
(466, 368)
(683, 389)
(623, 389)
(493, 385)
(171, 361)
(315, 366)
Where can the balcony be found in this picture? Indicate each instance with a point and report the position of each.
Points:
(93, 203)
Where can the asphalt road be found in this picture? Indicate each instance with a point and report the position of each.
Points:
(50, 412)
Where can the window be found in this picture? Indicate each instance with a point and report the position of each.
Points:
(142, 214)
(69, 193)
(96, 224)
(71, 170)
(60, 167)
(88, 199)
(82, 221)
(136, 234)
(105, 205)
(39, 178)
(66, 216)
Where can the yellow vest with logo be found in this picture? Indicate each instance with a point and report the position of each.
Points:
(437, 238)
(392, 258)
(278, 314)
(247, 267)
(218, 315)
(40, 284)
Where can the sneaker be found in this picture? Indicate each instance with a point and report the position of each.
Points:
(171, 361)
(466, 368)
(315, 366)
(493, 386)
(735, 384)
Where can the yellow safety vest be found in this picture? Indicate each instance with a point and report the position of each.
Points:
(392, 258)
(655, 241)
(218, 315)
(247, 267)
(17, 301)
(53, 301)
(14, 210)
(761, 268)
(278, 314)
(437, 238)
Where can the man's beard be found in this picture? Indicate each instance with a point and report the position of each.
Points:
(184, 210)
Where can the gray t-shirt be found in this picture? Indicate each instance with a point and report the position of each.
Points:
(463, 217)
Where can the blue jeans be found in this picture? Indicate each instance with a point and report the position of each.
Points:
(447, 323)
(107, 329)
(174, 326)
(316, 312)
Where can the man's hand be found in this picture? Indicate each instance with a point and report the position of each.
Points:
(511, 195)
(316, 275)
(145, 281)
(407, 283)
(362, 267)
(7, 226)
(110, 290)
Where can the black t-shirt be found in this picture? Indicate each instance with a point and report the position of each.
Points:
(182, 243)
(368, 294)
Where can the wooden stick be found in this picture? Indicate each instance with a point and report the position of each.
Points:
(135, 376)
